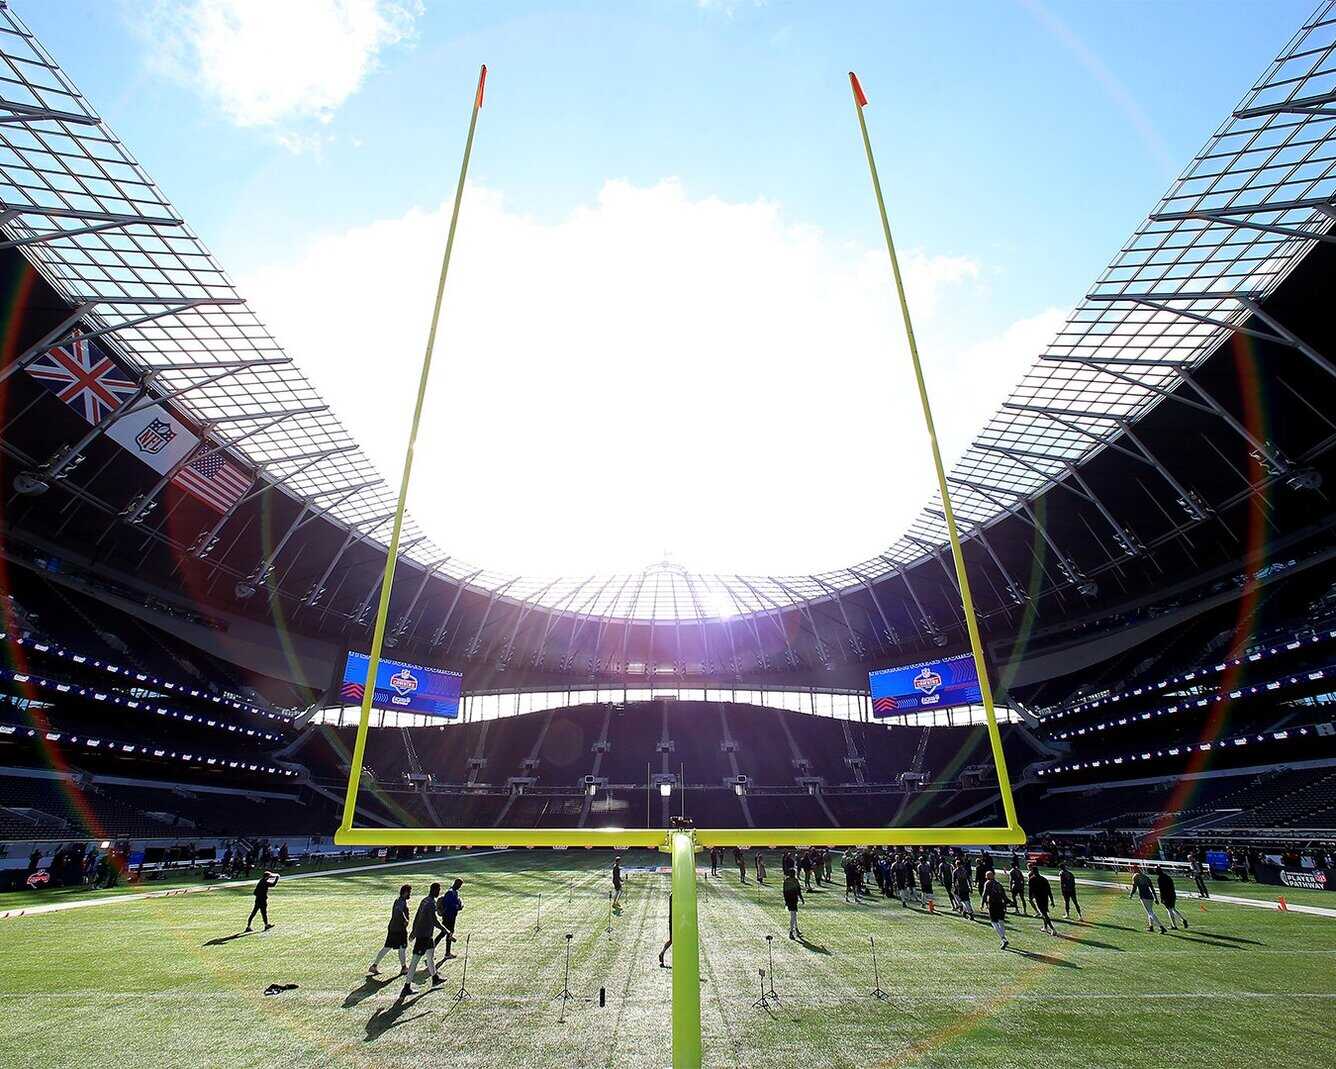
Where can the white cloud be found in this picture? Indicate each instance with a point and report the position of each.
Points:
(653, 373)
(269, 61)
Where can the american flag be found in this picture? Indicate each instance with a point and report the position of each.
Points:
(884, 705)
(84, 377)
(214, 480)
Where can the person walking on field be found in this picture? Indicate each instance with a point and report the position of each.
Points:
(1067, 883)
(1169, 897)
(760, 867)
(1141, 887)
(961, 879)
(396, 935)
(262, 900)
(1018, 888)
(793, 895)
(994, 899)
(740, 859)
(617, 883)
(1041, 896)
(425, 923)
(1200, 877)
(451, 906)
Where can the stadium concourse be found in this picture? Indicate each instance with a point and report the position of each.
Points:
(191, 551)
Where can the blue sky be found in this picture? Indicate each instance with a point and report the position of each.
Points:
(1019, 143)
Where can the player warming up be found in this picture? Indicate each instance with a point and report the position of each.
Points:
(396, 935)
(617, 884)
(994, 899)
(262, 900)
(1141, 887)
(1067, 883)
(425, 923)
(451, 905)
(1169, 897)
(793, 894)
(1041, 896)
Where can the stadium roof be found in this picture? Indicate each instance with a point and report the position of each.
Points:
(1244, 212)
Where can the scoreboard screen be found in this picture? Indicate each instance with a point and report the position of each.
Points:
(402, 687)
(912, 688)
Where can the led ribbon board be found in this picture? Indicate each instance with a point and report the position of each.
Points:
(402, 687)
(912, 688)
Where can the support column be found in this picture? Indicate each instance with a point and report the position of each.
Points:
(686, 954)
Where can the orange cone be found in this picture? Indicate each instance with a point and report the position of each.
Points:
(1284, 908)
(931, 907)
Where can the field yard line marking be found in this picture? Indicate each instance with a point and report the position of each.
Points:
(170, 892)
(1318, 911)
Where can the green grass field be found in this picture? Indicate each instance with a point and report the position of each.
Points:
(159, 982)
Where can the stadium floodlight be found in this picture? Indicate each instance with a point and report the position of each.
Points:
(680, 840)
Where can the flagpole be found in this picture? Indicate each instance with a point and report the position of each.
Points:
(391, 556)
(957, 556)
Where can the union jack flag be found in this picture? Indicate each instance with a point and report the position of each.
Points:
(213, 479)
(884, 705)
(84, 377)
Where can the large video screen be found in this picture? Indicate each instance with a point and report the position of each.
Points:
(402, 687)
(912, 688)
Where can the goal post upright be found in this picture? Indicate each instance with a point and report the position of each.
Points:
(686, 953)
(953, 534)
(392, 550)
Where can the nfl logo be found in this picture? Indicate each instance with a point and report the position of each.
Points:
(40, 878)
(404, 682)
(155, 436)
(927, 681)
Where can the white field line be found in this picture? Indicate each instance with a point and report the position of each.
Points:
(1234, 900)
(170, 892)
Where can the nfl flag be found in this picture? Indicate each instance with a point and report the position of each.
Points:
(84, 377)
(214, 479)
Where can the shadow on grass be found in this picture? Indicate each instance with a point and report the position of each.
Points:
(1204, 942)
(227, 938)
(368, 988)
(1090, 943)
(1047, 959)
(392, 1016)
(815, 948)
(1231, 938)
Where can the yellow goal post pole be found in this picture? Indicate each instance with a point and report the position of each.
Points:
(958, 557)
(392, 553)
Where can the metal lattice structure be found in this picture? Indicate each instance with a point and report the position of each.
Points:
(1246, 210)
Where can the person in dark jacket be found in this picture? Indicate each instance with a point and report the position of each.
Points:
(1067, 883)
(793, 895)
(450, 907)
(1017, 881)
(617, 883)
(1041, 896)
(945, 875)
(396, 935)
(961, 884)
(714, 861)
(994, 899)
(981, 870)
(425, 923)
(1141, 888)
(1199, 875)
(925, 879)
(1169, 897)
(740, 860)
(267, 880)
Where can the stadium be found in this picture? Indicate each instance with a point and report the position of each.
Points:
(691, 817)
